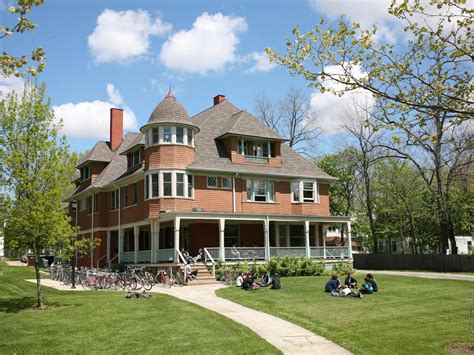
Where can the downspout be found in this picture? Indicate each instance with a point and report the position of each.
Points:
(233, 192)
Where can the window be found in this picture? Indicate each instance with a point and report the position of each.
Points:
(260, 149)
(212, 181)
(96, 203)
(147, 138)
(155, 136)
(180, 184)
(283, 234)
(190, 186)
(190, 136)
(308, 191)
(167, 134)
(115, 199)
(242, 148)
(226, 183)
(231, 235)
(147, 187)
(125, 196)
(167, 184)
(85, 173)
(134, 193)
(394, 246)
(179, 135)
(134, 158)
(260, 191)
(144, 239)
(295, 191)
(297, 236)
(128, 240)
(154, 185)
(82, 205)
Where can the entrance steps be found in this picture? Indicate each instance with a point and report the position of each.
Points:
(204, 276)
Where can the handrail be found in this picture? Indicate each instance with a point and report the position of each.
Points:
(115, 257)
(100, 259)
(208, 255)
(180, 256)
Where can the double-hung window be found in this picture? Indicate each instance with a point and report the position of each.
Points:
(180, 184)
(260, 191)
(115, 200)
(190, 186)
(180, 135)
(155, 135)
(154, 185)
(308, 192)
(167, 185)
(190, 136)
(304, 191)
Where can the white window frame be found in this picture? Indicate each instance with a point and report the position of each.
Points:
(115, 200)
(269, 191)
(301, 191)
(160, 175)
(313, 190)
(184, 135)
(211, 186)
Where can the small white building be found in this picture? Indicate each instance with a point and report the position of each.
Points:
(464, 244)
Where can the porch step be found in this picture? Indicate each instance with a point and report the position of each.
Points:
(204, 276)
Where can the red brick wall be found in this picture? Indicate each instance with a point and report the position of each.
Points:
(168, 156)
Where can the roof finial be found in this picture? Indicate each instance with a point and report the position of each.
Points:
(170, 94)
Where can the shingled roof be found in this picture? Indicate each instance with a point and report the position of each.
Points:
(211, 155)
(169, 110)
(244, 124)
(100, 152)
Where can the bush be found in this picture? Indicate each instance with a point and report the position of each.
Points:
(342, 268)
(120, 267)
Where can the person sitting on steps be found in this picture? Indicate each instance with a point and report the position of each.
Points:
(189, 273)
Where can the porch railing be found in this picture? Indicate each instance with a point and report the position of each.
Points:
(244, 253)
(337, 252)
(207, 256)
(144, 256)
(213, 253)
(285, 251)
(165, 255)
(128, 257)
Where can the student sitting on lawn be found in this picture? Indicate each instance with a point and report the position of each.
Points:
(371, 280)
(350, 281)
(346, 291)
(239, 280)
(333, 285)
(367, 287)
(275, 282)
(265, 280)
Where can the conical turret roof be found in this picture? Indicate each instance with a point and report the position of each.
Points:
(170, 111)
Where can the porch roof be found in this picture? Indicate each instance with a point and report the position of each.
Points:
(170, 216)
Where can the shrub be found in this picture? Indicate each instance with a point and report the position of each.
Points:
(342, 268)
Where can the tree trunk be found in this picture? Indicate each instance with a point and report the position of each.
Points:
(38, 281)
(368, 201)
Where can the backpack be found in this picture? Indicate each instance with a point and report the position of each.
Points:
(276, 283)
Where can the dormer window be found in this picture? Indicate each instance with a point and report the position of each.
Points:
(134, 158)
(255, 151)
(85, 172)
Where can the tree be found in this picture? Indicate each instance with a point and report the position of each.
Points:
(10, 64)
(423, 88)
(291, 117)
(37, 168)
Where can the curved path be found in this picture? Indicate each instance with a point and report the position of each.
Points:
(285, 336)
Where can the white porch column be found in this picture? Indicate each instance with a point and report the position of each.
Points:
(324, 244)
(108, 248)
(306, 239)
(266, 238)
(221, 239)
(349, 238)
(177, 225)
(136, 231)
(120, 244)
(155, 239)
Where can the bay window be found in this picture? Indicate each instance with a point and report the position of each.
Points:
(260, 190)
(169, 184)
(308, 191)
(304, 191)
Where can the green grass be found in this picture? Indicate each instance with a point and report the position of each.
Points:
(407, 316)
(107, 322)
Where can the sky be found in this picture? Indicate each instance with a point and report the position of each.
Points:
(127, 54)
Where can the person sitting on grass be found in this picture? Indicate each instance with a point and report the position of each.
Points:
(346, 291)
(371, 280)
(265, 279)
(333, 285)
(239, 280)
(275, 282)
(249, 284)
(367, 287)
(350, 281)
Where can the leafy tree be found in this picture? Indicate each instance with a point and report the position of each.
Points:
(291, 117)
(423, 88)
(13, 65)
(37, 168)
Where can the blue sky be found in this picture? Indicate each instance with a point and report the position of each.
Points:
(102, 54)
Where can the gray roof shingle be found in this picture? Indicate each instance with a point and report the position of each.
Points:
(100, 152)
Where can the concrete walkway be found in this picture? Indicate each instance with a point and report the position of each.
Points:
(426, 275)
(285, 336)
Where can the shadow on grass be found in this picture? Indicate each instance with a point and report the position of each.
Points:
(15, 305)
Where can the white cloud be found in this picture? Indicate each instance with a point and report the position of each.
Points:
(332, 112)
(208, 46)
(91, 119)
(9, 84)
(261, 62)
(120, 36)
(367, 13)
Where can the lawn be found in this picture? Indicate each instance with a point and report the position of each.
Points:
(107, 322)
(407, 316)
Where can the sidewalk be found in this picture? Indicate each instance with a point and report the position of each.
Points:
(426, 275)
(285, 336)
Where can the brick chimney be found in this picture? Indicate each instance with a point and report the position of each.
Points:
(116, 127)
(218, 99)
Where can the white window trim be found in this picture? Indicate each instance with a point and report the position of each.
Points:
(301, 191)
(149, 136)
(222, 183)
(251, 198)
(148, 180)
